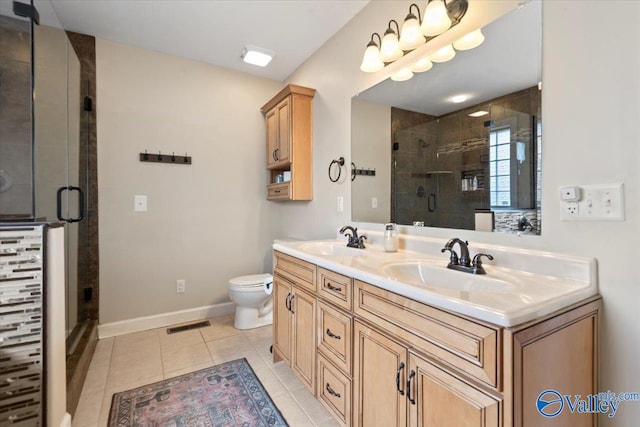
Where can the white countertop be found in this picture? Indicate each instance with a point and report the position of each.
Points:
(504, 296)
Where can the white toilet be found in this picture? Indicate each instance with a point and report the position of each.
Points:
(252, 296)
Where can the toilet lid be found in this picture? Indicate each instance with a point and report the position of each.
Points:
(250, 280)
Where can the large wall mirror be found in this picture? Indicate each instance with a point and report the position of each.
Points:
(474, 164)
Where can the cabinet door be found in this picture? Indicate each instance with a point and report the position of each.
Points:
(272, 136)
(438, 399)
(303, 353)
(284, 131)
(281, 320)
(379, 379)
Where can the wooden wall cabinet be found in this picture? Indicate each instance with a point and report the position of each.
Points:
(386, 360)
(289, 119)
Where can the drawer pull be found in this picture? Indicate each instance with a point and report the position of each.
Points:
(411, 375)
(331, 392)
(334, 288)
(400, 368)
(332, 335)
(276, 191)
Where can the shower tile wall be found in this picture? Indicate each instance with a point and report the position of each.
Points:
(451, 145)
(15, 119)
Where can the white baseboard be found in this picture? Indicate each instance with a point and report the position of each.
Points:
(66, 420)
(122, 327)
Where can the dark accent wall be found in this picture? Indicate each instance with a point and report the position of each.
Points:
(88, 265)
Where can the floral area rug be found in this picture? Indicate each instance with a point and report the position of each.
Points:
(228, 394)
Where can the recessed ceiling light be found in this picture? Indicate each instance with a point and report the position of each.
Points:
(256, 55)
(478, 113)
(459, 98)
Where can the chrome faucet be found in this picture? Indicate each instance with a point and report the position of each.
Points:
(355, 241)
(464, 262)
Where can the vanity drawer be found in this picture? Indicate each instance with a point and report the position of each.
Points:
(334, 335)
(279, 191)
(335, 288)
(300, 272)
(460, 343)
(334, 391)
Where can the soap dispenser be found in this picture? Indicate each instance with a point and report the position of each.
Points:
(391, 240)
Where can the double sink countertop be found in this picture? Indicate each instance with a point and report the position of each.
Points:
(520, 285)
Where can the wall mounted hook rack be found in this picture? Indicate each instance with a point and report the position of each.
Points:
(165, 158)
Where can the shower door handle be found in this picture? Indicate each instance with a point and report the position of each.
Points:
(80, 203)
(431, 203)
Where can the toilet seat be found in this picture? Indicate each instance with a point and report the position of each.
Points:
(249, 282)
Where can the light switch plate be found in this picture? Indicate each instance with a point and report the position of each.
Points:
(600, 202)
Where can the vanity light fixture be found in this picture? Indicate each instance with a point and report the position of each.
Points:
(439, 16)
(411, 35)
(436, 18)
(469, 40)
(372, 60)
(256, 55)
(459, 99)
(444, 54)
(390, 47)
(478, 113)
(422, 65)
(402, 75)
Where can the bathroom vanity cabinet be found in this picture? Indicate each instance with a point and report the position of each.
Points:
(382, 359)
(294, 316)
(288, 117)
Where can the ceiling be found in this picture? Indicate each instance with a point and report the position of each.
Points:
(510, 59)
(215, 31)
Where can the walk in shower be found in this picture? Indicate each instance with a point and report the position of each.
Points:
(448, 169)
(45, 152)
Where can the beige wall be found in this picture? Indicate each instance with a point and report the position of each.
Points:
(591, 109)
(370, 134)
(206, 222)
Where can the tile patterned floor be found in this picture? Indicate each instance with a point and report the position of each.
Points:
(129, 361)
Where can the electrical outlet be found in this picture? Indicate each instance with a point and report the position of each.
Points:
(571, 208)
(181, 286)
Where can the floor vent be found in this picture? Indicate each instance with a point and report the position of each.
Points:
(188, 327)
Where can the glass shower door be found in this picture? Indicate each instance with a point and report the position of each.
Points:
(60, 162)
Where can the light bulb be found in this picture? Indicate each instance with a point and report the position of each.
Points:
(402, 75)
(371, 61)
(390, 50)
(422, 65)
(411, 36)
(469, 41)
(436, 19)
(444, 54)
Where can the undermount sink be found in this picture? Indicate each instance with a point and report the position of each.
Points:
(432, 275)
(330, 248)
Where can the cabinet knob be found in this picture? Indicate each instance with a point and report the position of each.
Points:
(400, 368)
(331, 392)
(332, 335)
(411, 376)
(333, 288)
